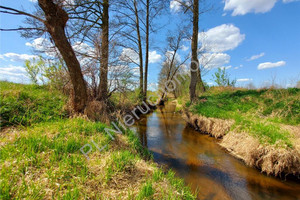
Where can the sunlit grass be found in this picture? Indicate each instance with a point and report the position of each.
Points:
(258, 112)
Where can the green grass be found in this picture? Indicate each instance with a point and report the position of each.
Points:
(258, 112)
(29, 104)
(42, 160)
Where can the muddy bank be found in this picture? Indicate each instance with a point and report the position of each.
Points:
(269, 159)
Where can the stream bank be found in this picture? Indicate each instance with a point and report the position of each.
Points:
(203, 164)
(269, 159)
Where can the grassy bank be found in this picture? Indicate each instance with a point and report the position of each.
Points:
(42, 159)
(24, 105)
(268, 119)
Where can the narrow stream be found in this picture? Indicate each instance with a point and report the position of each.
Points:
(203, 164)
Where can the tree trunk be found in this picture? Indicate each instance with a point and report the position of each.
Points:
(195, 62)
(56, 19)
(103, 87)
(147, 51)
(140, 47)
(201, 84)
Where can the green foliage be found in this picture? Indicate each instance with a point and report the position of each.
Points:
(33, 69)
(258, 112)
(221, 78)
(29, 104)
(44, 71)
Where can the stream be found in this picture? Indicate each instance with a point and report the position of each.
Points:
(203, 164)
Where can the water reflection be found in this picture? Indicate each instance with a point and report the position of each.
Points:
(203, 164)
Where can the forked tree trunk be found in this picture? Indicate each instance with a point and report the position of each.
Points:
(103, 88)
(56, 19)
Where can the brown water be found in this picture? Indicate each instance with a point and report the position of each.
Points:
(203, 164)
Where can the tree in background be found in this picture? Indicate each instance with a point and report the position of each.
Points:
(193, 7)
(33, 69)
(221, 78)
(135, 19)
(103, 92)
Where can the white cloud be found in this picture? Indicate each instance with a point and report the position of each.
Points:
(184, 48)
(289, 1)
(83, 49)
(154, 57)
(129, 55)
(267, 65)
(43, 45)
(242, 7)
(244, 79)
(214, 60)
(175, 6)
(221, 38)
(256, 57)
(226, 67)
(13, 74)
(14, 57)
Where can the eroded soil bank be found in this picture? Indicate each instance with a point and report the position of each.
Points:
(271, 159)
(207, 167)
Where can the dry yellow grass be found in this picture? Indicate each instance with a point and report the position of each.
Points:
(272, 159)
(212, 126)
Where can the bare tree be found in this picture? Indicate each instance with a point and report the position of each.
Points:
(192, 6)
(136, 19)
(172, 64)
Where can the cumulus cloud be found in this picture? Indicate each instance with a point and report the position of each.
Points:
(14, 57)
(43, 45)
(244, 79)
(154, 57)
(129, 55)
(214, 60)
(221, 38)
(83, 51)
(175, 6)
(13, 73)
(82, 48)
(267, 65)
(254, 57)
(242, 7)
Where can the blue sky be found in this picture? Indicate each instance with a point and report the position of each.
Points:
(254, 39)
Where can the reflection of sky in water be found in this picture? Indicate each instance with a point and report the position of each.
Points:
(204, 164)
